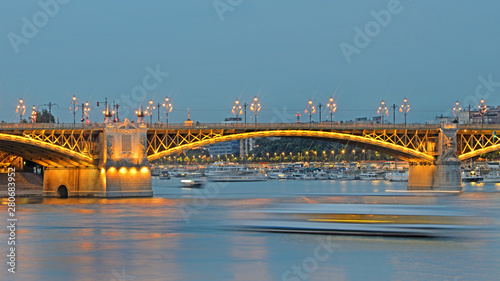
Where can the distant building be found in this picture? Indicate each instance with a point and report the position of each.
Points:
(231, 147)
(441, 120)
(492, 116)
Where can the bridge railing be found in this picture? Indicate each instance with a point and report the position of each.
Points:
(291, 126)
(283, 126)
(50, 126)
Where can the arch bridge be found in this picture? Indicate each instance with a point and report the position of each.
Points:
(112, 159)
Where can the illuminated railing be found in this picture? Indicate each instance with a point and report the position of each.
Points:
(263, 126)
(50, 126)
(295, 126)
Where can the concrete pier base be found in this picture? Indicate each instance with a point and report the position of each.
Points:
(435, 177)
(94, 182)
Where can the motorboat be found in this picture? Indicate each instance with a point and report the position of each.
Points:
(335, 176)
(164, 175)
(399, 176)
(471, 176)
(368, 176)
(320, 175)
(229, 172)
(276, 175)
(362, 219)
(492, 177)
(193, 182)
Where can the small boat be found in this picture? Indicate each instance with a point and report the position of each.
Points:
(321, 175)
(229, 172)
(399, 176)
(164, 175)
(368, 176)
(194, 182)
(363, 219)
(276, 175)
(471, 176)
(492, 177)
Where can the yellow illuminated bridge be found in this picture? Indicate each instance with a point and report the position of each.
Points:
(68, 145)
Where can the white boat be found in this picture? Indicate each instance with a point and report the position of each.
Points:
(398, 176)
(194, 182)
(179, 173)
(308, 176)
(363, 219)
(320, 175)
(471, 176)
(492, 177)
(335, 176)
(368, 176)
(230, 172)
(276, 175)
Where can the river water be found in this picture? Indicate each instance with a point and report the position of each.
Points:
(181, 234)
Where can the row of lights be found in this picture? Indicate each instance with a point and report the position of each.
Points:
(237, 109)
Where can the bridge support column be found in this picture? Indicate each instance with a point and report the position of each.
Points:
(442, 175)
(122, 170)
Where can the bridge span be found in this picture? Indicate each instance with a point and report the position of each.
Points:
(112, 159)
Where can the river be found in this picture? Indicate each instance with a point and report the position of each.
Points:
(181, 234)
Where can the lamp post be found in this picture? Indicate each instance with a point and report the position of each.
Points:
(149, 111)
(482, 110)
(85, 112)
(168, 106)
(73, 108)
(21, 109)
(158, 107)
(405, 107)
(107, 113)
(456, 111)
(298, 117)
(237, 109)
(382, 110)
(320, 106)
(140, 114)
(33, 115)
(311, 109)
(255, 107)
(332, 107)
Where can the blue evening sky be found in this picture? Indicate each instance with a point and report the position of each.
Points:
(284, 51)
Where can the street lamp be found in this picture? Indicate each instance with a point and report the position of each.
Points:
(140, 114)
(237, 109)
(168, 106)
(33, 114)
(311, 109)
(382, 110)
(332, 107)
(73, 108)
(149, 111)
(21, 109)
(85, 112)
(107, 113)
(456, 111)
(482, 110)
(255, 107)
(405, 107)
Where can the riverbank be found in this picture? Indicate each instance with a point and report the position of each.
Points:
(27, 185)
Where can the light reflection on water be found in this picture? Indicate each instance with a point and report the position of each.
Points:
(151, 239)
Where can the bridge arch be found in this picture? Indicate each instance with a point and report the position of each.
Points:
(62, 191)
(43, 153)
(373, 144)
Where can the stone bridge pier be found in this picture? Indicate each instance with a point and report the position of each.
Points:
(121, 169)
(442, 175)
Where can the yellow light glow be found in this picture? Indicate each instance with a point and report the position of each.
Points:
(133, 170)
(301, 133)
(123, 170)
(144, 170)
(112, 169)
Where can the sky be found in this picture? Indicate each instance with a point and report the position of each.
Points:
(205, 54)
